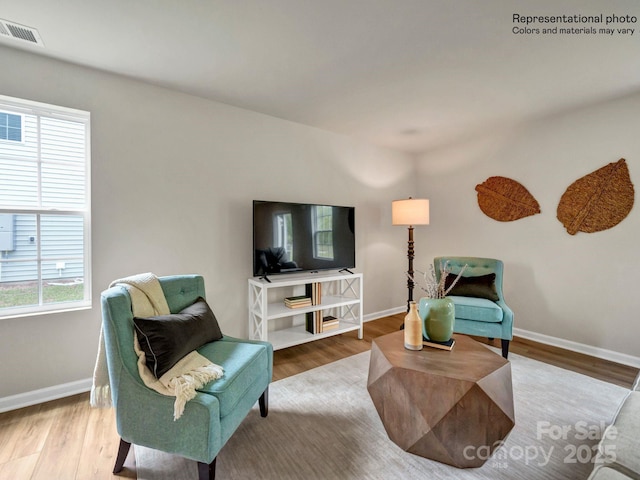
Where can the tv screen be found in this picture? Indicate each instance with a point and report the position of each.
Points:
(302, 237)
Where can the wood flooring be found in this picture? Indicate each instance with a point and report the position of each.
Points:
(67, 440)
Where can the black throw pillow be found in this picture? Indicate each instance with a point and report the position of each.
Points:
(483, 286)
(165, 339)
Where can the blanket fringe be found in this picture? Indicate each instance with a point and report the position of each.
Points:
(100, 397)
(184, 386)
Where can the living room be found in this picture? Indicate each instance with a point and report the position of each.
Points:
(174, 174)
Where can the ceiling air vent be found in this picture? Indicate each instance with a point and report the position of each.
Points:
(20, 32)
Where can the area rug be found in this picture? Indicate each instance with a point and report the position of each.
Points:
(322, 425)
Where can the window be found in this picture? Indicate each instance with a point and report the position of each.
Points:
(323, 232)
(283, 233)
(44, 208)
(10, 127)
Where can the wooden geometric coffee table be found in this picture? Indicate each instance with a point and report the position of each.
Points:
(451, 406)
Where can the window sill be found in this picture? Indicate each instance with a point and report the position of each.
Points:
(19, 313)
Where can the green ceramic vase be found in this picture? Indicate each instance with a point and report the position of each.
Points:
(438, 317)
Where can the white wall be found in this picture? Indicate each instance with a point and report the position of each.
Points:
(580, 288)
(173, 178)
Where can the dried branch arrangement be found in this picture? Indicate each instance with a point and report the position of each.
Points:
(433, 288)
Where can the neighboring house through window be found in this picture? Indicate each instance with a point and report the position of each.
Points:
(323, 232)
(44, 208)
(10, 127)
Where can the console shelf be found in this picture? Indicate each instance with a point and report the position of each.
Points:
(270, 320)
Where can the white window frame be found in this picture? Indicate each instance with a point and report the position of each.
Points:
(281, 232)
(29, 107)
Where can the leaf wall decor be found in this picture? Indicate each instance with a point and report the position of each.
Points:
(505, 200)
(597, 201)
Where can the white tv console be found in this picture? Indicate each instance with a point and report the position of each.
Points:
(270, 320)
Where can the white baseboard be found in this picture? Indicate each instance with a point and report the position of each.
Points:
(55, 392)
(26, 399)
(597, 352)
(384, 313)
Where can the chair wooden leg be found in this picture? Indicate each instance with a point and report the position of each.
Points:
(505, 348)
(207, 471)
(264, 403)
(123, 451)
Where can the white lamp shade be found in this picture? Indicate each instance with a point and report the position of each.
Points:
(413, 211)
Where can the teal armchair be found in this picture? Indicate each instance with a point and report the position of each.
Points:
(144, 417)
(480, 316)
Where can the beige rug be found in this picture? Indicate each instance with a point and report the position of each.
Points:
(323, 425)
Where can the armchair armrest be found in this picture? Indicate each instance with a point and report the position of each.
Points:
(227, 338)
(507, 320)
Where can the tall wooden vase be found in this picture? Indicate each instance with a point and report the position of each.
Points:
(412, 329)
(438, 316)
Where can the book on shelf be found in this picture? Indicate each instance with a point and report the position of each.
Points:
(313, 322)
(329, 322)
(448, 345)
(314, 291)
(308, 322)
(297, 298)
(327, 328)
(299, 305)
(297, 301)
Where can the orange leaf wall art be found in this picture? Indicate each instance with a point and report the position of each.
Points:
(597, 201)
(505, 200)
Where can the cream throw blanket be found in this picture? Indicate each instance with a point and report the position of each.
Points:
(181, 381)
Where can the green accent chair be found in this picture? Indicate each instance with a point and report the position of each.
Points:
(145, 417)
(479, 316)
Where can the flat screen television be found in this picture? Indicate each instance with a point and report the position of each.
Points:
(302, 237)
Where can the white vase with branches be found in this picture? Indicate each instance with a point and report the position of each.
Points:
(435, 308)
(432, 287)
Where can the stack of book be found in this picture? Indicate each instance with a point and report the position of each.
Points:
(298, 301)
(329, 323)
(448, 345)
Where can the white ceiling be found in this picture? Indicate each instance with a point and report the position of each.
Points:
(405, 74)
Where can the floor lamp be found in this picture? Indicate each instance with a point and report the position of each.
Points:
(411, 212)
